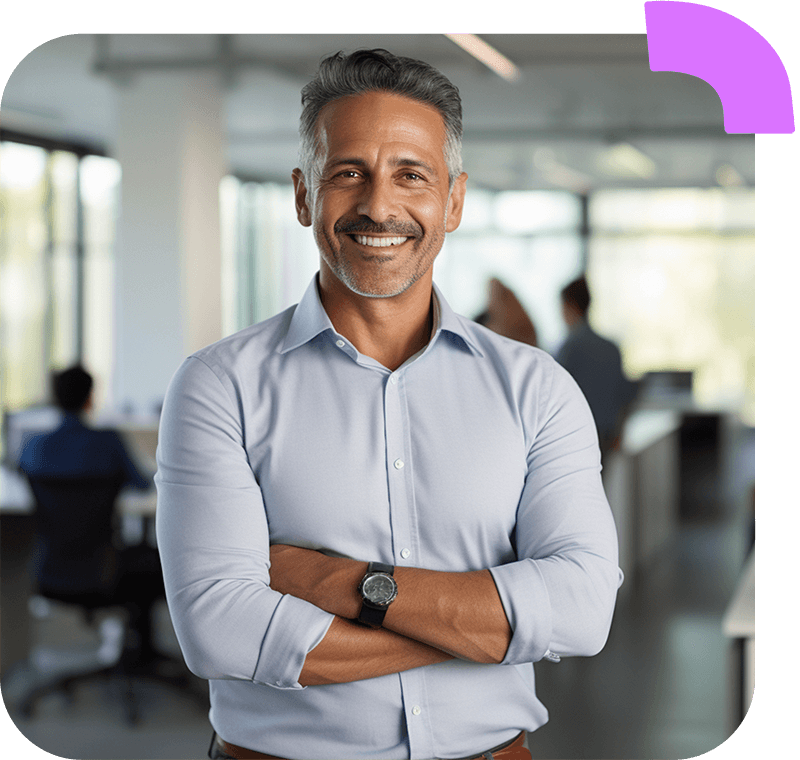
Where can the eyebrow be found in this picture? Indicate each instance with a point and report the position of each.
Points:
(396, 162)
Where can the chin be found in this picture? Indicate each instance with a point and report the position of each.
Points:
(375, 286)
(376, 292)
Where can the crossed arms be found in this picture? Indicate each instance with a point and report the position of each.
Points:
(437, 616)
(246, 608)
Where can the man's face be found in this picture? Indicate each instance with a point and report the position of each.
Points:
(382, 203)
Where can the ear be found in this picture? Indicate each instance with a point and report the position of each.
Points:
(455, 204)
(301, 198)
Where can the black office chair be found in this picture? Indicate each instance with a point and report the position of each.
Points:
(76, 561)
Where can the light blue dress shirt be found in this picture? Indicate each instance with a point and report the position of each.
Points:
(479, 452)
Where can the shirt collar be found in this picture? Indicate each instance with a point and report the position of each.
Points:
(310, 319)
(454, 324)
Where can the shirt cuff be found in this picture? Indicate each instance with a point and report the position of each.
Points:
(295, 628)
(523, 593)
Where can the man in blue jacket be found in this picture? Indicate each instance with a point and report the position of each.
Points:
(129, 576)
(74, 449)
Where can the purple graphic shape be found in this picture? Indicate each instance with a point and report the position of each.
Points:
(731, 56)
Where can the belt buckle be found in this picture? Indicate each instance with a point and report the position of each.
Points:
(489, 753)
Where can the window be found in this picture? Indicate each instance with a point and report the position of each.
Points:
(57, 211)
(268, 258)
(672, 274)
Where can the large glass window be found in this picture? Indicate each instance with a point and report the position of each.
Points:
(99, 193)
(26, 338)
(672, 274)
(268, 257)
(57, 210)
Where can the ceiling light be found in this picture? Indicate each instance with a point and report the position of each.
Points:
(559, 175)
(727, 176)
(623, 160)
(486, 54)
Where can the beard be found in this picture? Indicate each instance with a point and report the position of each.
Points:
(380, 276)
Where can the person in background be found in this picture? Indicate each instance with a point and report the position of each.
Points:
(75, 449)
(128, 576)
(505, 315)
(596, 364)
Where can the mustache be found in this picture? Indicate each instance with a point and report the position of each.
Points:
(368, 227)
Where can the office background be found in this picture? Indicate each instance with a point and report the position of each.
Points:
(147, 211)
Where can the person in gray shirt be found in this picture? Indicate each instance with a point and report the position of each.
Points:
(596, 365)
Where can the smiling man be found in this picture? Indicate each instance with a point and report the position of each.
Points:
(375, 515)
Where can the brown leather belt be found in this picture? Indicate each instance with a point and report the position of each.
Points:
(512, 750)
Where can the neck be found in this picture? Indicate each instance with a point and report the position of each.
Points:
(390, 330)
(574, 318)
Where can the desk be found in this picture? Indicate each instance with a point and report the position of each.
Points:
(739, 625)
(641, 482)
(16, 497)
(141, 440)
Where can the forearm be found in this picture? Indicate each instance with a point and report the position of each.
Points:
(458, 613)
(352, 652)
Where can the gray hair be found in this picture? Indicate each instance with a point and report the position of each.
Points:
(378, 70)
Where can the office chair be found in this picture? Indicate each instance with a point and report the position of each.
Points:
(76, 562)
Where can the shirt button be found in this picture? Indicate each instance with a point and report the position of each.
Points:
(340, 343)
(393, 379)
(406, 553)
(416, 709)
(399, 464)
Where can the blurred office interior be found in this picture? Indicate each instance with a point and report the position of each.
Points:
(146, 210)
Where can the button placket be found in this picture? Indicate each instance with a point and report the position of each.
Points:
(398, 472)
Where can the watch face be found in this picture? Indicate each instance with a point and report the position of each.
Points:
(379, 589)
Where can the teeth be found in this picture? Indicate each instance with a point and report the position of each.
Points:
(379, 242)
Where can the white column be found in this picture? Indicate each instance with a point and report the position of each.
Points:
(171, 148)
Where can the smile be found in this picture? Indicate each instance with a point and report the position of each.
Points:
(379, 242)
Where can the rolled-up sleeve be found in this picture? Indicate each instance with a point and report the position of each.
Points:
(559, 595)
(213, 539)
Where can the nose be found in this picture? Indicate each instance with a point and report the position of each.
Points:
(378, 200)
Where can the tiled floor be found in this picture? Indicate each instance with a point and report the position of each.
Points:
(659, 689)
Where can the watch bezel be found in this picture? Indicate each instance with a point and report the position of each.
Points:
(364, 583)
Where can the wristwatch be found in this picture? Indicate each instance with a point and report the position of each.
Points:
(378, 590)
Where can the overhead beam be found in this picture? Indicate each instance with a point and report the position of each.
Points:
(225, 60)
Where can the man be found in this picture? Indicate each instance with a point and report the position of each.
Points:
(130, 576)
(370, 424)
(595, 363)
(74, 449)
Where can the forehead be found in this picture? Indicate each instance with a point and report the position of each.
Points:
(377, 119)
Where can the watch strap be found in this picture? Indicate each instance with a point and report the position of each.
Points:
(372, 616)
(379, 567)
